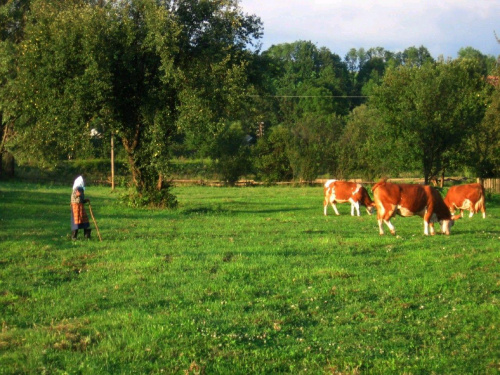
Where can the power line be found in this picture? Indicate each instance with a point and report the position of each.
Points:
(308, 96)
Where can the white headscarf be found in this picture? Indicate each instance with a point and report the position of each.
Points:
(79, 183)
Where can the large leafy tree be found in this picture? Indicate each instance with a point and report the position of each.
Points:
(310, 83)
(140, 69)
(63, 82)
(316, 74)
(414, 56)
(12, 20)
(312, 145)
(434, 108)
(213, 64)
(363, 151)
(483, 151)
(488, 64)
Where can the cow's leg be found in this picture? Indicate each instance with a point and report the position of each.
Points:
(325, 206)
(482, 208)
(334, 205)
(390, 226)
(428, 225)
(384, 216)
(445, 227)
(428, 216)
(354, 206)
(380, 227)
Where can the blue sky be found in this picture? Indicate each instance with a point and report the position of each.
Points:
(442, 26)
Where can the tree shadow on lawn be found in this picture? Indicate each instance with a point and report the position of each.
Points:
(41, 217)
(219, 210)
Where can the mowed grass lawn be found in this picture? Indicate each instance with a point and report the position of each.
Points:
(239, 281)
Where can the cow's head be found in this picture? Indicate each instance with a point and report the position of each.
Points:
(447, 224)
(370, 208)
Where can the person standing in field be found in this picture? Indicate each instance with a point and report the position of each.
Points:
(79, 218)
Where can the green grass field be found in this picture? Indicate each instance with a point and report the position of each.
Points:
(239, 281)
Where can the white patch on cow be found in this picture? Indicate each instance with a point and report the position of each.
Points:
(327, 183)
(380, 208)
(343, 200)
(358, 186)
(466, 205)
(403, 211)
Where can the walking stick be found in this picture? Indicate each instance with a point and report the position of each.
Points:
(95, 223)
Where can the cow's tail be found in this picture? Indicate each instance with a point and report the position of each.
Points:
(479, 206)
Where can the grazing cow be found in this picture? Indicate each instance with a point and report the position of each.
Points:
(342, 192)
(408, 200)
(466, 197)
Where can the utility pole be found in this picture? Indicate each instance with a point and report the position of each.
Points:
(112, 162)
(260, 130)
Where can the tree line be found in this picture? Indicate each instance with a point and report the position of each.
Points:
(188, 78)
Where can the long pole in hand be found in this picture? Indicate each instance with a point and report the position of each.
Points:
(95, 223)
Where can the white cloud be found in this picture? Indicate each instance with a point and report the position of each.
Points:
(443, 26)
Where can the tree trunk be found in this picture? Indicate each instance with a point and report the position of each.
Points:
(112, 162)
(9, 164)
(130, 146)
(136, 173)
(159, 185)
(426, 178)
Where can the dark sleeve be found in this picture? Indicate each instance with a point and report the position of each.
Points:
(81, 195)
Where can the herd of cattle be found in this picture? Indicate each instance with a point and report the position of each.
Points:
(407, 200)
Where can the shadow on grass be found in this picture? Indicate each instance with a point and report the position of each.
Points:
(220, 210)
(204, 211)
(43, 217)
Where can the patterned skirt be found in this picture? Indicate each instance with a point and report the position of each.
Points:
(79, 218)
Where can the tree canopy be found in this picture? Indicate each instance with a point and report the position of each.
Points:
(141, 69)
(434, 107)
(190, 75)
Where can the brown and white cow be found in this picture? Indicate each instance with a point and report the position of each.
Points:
(466, 197)
(343, 191)
(408, 200)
